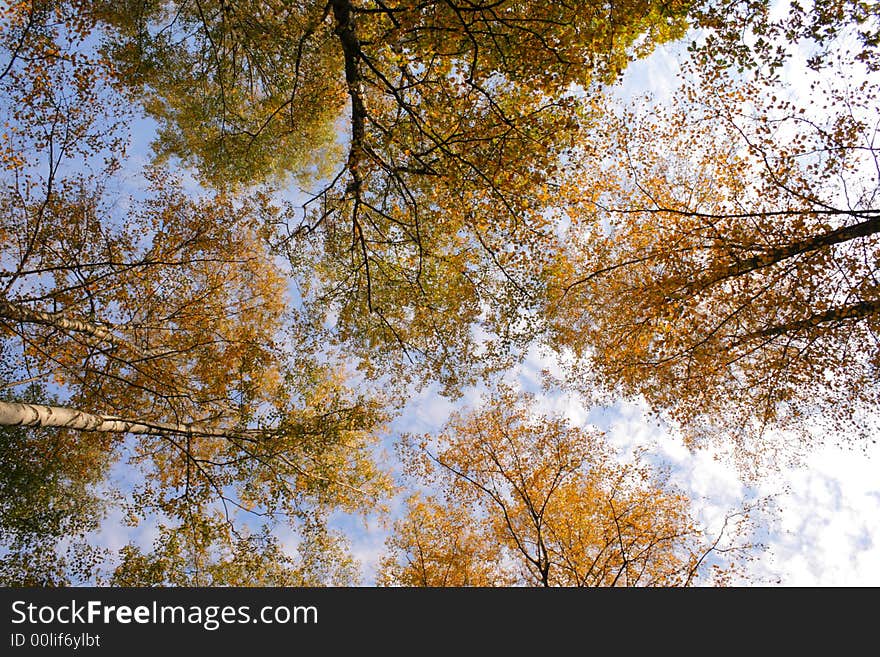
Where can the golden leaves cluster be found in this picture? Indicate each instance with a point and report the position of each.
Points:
(722, 258)
(521, 498)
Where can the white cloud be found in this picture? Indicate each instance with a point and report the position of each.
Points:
(829, 521)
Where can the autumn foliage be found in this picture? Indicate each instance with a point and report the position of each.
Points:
(348, 199)
(526, 499)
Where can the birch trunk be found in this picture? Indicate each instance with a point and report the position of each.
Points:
(21, 314)
(778, 254)
(834, 315)
(39, 415)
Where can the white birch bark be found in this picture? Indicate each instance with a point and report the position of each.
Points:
(40, 415)
(27, 315)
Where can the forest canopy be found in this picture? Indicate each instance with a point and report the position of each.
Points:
(347, 200)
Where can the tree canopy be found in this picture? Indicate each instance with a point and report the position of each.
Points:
(162, 326)
(421, 191)
(524, 498)
(723, 256)
(432, 217)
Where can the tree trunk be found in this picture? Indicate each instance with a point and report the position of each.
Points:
(21, 314)
(834, 315)
(39, 415)
(778, 254)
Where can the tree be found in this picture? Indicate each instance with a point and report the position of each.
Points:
(173, 335)
(460, 115)
(723, 264)
(159, 320)
(523, 498)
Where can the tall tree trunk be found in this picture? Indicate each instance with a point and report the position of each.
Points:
(834, 315)
(780, 253)
(39, 415)
(20, 313)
